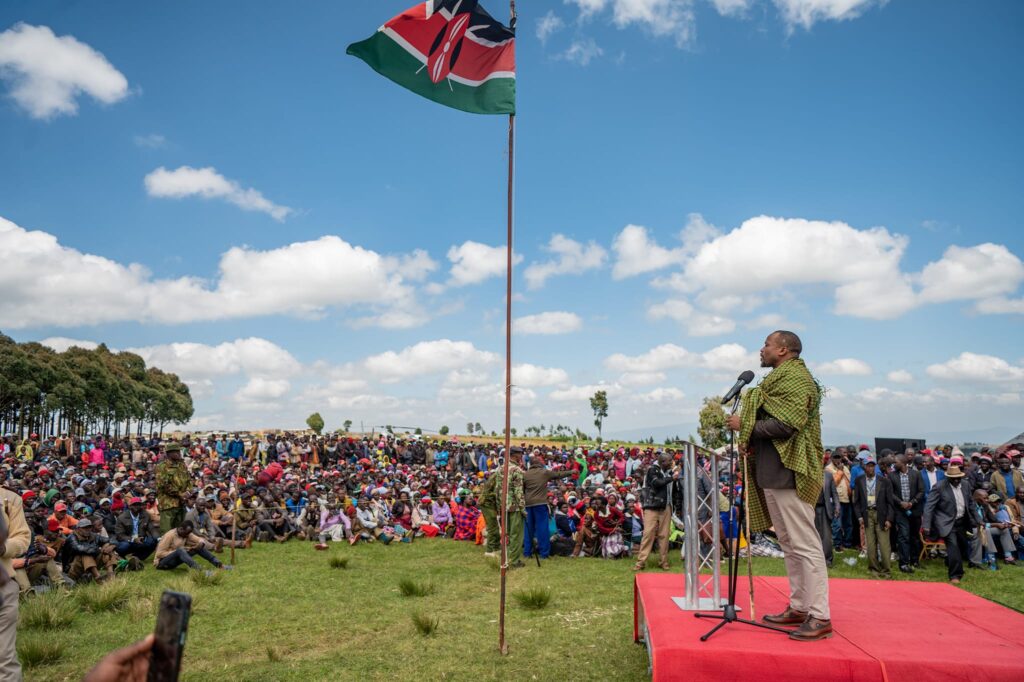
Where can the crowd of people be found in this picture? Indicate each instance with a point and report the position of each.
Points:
(902, 506)
(98, 506)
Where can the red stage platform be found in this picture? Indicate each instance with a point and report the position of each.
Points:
(884, 632)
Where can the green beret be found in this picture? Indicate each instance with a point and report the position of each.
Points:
(172, 447)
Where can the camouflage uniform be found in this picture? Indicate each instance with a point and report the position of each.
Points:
(516, 510)
(172, 481)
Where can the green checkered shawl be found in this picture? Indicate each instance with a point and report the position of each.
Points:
(790, 394)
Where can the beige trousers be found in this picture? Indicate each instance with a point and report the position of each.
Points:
(805, 560)
(10, 669)
(656, 527)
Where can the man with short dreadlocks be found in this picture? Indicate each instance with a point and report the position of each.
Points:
(780, 427)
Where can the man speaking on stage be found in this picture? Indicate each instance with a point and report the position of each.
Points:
(780, 434)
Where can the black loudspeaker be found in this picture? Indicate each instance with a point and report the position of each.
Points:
(898, 445)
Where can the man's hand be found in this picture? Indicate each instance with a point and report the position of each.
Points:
(130, 664)
(888, 525)
(861, 522)
(733, 422)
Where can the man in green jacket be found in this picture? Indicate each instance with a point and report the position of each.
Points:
(172, 482)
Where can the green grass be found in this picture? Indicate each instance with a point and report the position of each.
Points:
(425, 625)
(34, 652)
(533, 599)
(111, 596)
(51, 611)
(338, 562)
(326, 624)
(202, 578)
(415, 588)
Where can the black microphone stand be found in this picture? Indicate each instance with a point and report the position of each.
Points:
(728, 614)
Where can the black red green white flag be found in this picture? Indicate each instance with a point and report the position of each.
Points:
(450, 51)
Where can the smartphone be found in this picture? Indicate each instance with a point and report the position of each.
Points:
(169, 642)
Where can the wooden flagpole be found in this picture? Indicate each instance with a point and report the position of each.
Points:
(502, 644)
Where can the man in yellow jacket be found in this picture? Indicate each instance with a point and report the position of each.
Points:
(14, 541)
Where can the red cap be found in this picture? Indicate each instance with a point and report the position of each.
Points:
(60, 506)
(43, 470)
(28, 495)
(135, 500)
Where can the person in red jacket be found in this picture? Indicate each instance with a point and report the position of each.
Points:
(608, 519)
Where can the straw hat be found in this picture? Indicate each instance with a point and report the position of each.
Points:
(953, 471)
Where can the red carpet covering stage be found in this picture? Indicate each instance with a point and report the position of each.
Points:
(884, 632)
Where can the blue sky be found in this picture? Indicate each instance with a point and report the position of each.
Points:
(220, 188)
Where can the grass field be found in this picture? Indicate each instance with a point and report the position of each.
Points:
(286, 613)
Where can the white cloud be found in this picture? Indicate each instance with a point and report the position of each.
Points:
(662, 18)
(207, 183)
(467, 377)
(260, 390)
(47, 73)
(1000, 305)
(726, 357)
(982, 271)
(150, 141)
(658, 359)
(392, 319)
(806, 13)
(62, 343)
(549, 24)
(427, 357)
(772, 321)
(636, 253)
(975, 367)
(571, 258)
(766, 254)
(533, 375)
(584, 393)
(900, 376)
(555, 322)
(844, 367)
(732, 8)
(661, 395)
(697, 323)
(253, 356)
(473, 262)
(46, 283)
(641, 378)
(582, 51)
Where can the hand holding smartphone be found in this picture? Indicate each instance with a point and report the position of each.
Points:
(170, 632)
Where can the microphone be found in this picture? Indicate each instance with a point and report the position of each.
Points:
(741, 381)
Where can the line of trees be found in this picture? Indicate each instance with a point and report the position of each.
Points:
(82, 391)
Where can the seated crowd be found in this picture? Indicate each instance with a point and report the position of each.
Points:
(97, 506)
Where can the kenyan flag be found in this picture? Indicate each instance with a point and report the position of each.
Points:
(450, 51)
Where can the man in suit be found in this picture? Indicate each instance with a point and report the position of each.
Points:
(873, 505)
(908, 496)
(931, 474)
(947, 515)
(827, 509)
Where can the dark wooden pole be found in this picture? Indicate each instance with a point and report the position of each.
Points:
(502, 644)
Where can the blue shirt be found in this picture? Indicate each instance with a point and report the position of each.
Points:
(1010, 490)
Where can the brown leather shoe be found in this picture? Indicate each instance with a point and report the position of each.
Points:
(788, 617)
(812, 630)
